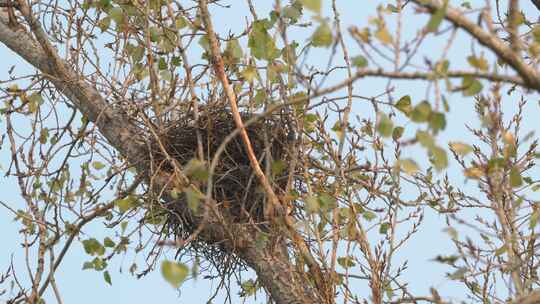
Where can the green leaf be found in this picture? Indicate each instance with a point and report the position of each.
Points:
(174, 273)
(479, 63)
(196, 169)
(368, 215)
(93, 247)
(425, 139)
(384, 228)
(107, 277)
(322, 37)
(421, 112)
(311, 204)
(312, 5)
(437, 18)
(117, 14)
(126, 203)
(408, 165)
(104, 24)
(471, 86)
(234, 50)
(204, 43)
(194, 197)
(43, 135)
(437, 122)
(439, 158)
(107, 242)
(327, 202)
(404, 105)
(533, 219)
(261, 44)
(460, 149)
(35, 100)
(346, 262)
(180, 22)
(98, 165)
(515, 177)
(385, 125)
(359, 61)
(278, 166)
(397, 133)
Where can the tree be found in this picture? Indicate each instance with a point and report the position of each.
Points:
(244, 150)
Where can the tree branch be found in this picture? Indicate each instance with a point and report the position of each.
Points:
(529, 74)
(273, 266)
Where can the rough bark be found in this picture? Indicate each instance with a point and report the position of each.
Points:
(276, 272)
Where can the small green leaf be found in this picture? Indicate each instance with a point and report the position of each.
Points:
(278, 166)
(384, 228)
(437, 122)
(533, 219)
(368, 215)
(107, 277)
(107, 242)
(440, 159)
(408, 165)
(234, 50)
(43, 135)
(311, 204)
(346, 262)
(194, 197)
(261, 44)
(126, 203)
(98, 165)
(421, 112)
(385, 125)
(117, 14)
(479, 63)
(359, 61)
(397, 133)
(437, 18)
(425, 139)
(515, 178)
(174, 273)
(322, 37)
(404, 105)
(93, 247)
(471, 86)
(104, 24)
(312, 5)
(196, 169)
(460, 148)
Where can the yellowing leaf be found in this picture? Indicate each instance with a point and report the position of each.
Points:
(383, 35)
(461, 148)
(474, 172)
(174, 273)
(408, 165)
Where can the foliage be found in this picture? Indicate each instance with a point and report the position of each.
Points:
(297, 157)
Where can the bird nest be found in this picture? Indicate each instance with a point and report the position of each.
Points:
(236, 190)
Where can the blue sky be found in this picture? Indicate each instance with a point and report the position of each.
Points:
(83, 287)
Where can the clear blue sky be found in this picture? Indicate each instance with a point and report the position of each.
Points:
(84, 287)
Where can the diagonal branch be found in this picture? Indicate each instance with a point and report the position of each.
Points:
(530, 76)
